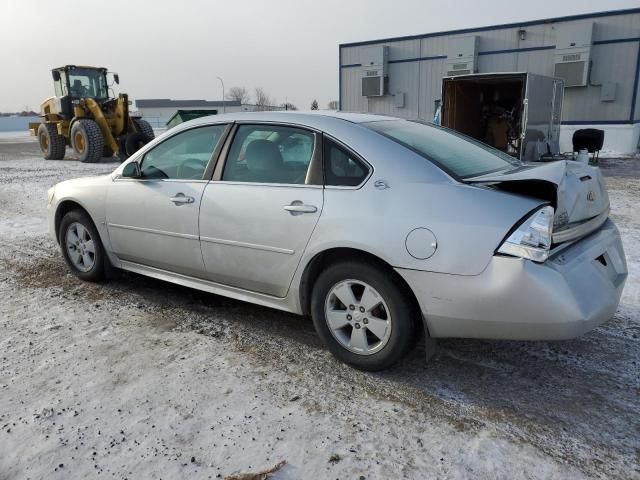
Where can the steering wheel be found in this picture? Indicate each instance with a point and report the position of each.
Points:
(191, 168)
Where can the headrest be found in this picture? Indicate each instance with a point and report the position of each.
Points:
(263, 155)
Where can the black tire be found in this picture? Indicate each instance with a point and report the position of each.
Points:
(404, 314)
(107, 152)
(87, 140)
(51, 143)
(145, 129)
(97, 271)
(122, 148)
(134, 142)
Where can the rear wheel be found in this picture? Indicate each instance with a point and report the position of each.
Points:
(134, 142)
(87, 140)
(81, 246)
(145, 129)
(51, 143)
(365, 317)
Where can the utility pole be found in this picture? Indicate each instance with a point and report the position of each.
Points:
(224, 104)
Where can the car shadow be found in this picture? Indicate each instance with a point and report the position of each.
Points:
(582, 392)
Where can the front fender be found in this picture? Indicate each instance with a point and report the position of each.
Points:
(87, 193)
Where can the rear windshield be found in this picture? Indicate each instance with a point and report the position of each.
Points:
(457, 154)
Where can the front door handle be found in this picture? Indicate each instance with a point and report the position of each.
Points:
(181, 199)
(297, 207)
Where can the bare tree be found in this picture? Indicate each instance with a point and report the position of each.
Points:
(239, 94)
(288, 106)
(333, 105)
(314, 105)
(263, 100)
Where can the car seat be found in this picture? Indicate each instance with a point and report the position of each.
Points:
(264, 162)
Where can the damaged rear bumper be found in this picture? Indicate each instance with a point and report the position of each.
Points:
(574, 291)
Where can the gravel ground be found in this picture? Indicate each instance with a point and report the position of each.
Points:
(136, 378)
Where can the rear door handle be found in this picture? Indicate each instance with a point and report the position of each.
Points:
(181, 199)
(297, 207)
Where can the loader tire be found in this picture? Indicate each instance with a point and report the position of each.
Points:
(87, 140)
(145, 129)
(51, 143)
(134, 142)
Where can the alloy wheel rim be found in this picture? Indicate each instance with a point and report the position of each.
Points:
(80, 247)
(358, 317)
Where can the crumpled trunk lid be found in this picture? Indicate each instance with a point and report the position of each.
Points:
(581, 200)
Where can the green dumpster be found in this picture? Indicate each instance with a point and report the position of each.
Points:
(184, 115)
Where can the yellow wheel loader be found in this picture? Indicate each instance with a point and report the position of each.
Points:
(86, 117)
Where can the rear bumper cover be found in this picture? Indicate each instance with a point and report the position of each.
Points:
(577, 289)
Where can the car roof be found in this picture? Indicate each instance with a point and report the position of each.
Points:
(316, 119)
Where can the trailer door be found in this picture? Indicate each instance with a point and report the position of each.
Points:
(542, 106)
(556, 114)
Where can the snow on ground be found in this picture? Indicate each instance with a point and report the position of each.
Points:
(136, 378)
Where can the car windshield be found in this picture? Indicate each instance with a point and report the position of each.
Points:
(85, 82)
(457, 154)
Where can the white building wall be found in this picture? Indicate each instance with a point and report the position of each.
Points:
(414, 71)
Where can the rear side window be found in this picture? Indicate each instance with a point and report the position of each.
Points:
(341, 168)
(456, 154)
(270, 154)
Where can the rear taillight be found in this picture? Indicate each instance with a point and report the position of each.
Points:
(532, 239)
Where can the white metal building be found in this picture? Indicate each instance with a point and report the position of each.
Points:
(157, 111)
(598, 56)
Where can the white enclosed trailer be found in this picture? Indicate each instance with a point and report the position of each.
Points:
(516, 112)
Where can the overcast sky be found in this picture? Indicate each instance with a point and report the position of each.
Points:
(176, 48)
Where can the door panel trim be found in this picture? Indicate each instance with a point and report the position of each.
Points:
(253, 246)
(288, 304)
(154, 231)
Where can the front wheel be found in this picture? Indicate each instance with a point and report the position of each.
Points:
(363, 315)
(81, 246)
(87, 140)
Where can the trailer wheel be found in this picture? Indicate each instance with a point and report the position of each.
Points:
(51, 143)
(87, 140)
(145, 129)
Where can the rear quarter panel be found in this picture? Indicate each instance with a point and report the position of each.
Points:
(469, 223)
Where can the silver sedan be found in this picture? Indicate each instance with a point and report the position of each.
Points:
(381, 229)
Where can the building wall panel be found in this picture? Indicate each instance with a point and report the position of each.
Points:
(420, 80)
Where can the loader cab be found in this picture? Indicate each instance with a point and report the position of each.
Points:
(81, 82)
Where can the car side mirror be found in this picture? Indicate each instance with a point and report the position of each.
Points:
(116, 78)
(131, 170)
(56, 75)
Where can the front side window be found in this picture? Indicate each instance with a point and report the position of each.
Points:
(85, 82)
(269, 154)
(184, 156)
(457, 154)
(341, 168)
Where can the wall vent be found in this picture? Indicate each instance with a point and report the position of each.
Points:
(462, 55)
(375, 77)
(573, 53)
